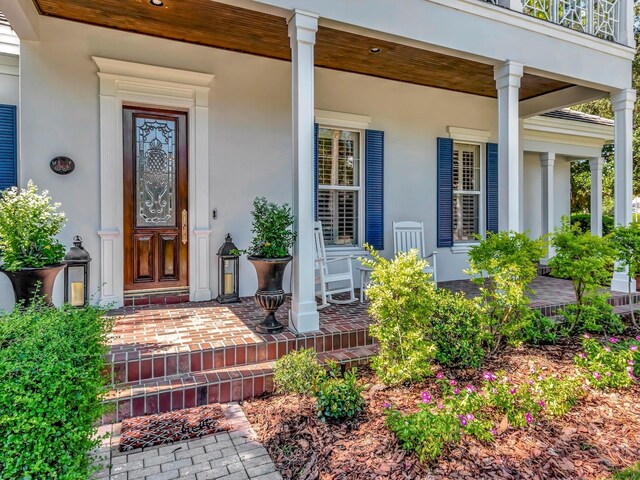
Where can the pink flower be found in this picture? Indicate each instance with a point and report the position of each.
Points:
(426, 398)
(596, 375)
(440, 406)
(470, 388)
(606, 349)
(530, 382)
(456, 391)
(489, 376)
(638, 338)
(613, 340)
(582, 355)
(494, 432)
(630, 362)
(386, 405)
(440, 376)
(463, 421)
(541, 403)
(452, 382)
(470, 416)
(586, 335)
(529, 418)
(633, 348)
(513, 391)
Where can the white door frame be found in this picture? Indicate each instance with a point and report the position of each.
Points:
(126, 83)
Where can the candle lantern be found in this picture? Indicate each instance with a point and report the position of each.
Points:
(76, 274)
(228, 265)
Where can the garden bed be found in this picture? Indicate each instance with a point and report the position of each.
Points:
(597, 437)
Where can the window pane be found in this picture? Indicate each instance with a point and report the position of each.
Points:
(466, 167)
(465, 217)
(338, 157)
(338, 212)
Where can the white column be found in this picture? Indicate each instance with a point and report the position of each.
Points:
(547, 162)
(625, 33)
(596, 195)
(507, 78)
(622, 102)
(302, 33)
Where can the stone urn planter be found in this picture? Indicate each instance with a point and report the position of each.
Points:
(34, 282)
(270, 294)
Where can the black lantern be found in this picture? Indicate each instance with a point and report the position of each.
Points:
(76, 274)
(228, 264)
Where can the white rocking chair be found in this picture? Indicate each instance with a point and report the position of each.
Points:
(344, 278)
(410, 235)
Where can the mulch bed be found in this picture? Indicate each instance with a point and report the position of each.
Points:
(163, 428)
(600, 435)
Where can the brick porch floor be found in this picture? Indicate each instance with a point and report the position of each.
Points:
(167, 357)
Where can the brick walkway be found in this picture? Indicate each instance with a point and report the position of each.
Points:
(233, 455)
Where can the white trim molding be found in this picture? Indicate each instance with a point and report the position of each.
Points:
(344, 120)
(123, 83)
(463, 134)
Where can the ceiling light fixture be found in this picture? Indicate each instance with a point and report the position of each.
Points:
(375, 50)
(156, 3)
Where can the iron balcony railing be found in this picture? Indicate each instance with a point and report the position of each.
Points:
(600, 18)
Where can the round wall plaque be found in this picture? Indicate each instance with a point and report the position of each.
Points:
(62, 165)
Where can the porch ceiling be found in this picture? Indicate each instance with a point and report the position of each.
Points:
(213, 24)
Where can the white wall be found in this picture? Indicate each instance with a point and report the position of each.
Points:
(533, 192)
(250, 131)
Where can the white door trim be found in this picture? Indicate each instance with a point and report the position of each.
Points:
(147, 85)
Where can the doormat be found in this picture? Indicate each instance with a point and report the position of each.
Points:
(164, 428)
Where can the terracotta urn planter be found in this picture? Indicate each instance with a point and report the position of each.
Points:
(34, 282)
(270, 294)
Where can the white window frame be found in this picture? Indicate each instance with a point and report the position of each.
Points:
(473, 136)
(354, 123)
(481, 194)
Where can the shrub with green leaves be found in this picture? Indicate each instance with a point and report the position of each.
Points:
(298, 372)
(586, 260)
(595, 315)
(401, 303)
(503, 265)
(626, 242)
(614, 364)
(542, 330)
(272, 231)
(457, 329)
(583, 221)
(51, 390)
(339, 397)
(29, 223)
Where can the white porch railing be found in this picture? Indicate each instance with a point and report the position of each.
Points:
(600, 18)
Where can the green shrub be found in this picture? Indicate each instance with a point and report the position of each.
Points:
(503, 265)
(29, 223)
(626, 242)
(298, 372)
(595, 315)
(613, 365)
(583, 222)
(541, 330)
(272, 231)
(51, 391)
(339, 397)
(585, 259)
(456, 328)
(401, 303)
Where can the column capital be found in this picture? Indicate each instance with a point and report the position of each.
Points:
(303, 26)
(623, 99)
(547, 159)
(596, 163)
(508, 74)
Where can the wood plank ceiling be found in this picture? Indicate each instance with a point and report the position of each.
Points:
(205, 22)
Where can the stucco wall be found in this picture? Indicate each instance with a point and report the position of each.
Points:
(250, 139)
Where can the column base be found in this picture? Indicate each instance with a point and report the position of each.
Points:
(620, 283)
(110, 302)
(304, 317)
(203, 295)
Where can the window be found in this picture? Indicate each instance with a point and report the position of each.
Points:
(467, 191)
(340, 185)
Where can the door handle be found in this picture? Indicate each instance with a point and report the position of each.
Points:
(184, 227)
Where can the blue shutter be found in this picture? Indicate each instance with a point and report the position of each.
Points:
(315, 171)
(8, 147)
(445, 192)
(492, 187)
(374, 188)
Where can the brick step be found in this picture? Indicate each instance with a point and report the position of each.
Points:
(220, 385)
(619, 302)
(164, 363)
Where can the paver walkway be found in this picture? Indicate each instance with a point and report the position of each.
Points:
(232, 455)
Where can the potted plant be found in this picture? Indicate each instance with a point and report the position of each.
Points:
(270, 253)
(31, 255)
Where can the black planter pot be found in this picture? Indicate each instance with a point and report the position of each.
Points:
(34, 282)
(270, 294)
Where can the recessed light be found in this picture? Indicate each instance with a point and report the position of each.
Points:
(156, 3)
(375, 50)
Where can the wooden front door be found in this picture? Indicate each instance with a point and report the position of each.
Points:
(155, 199)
